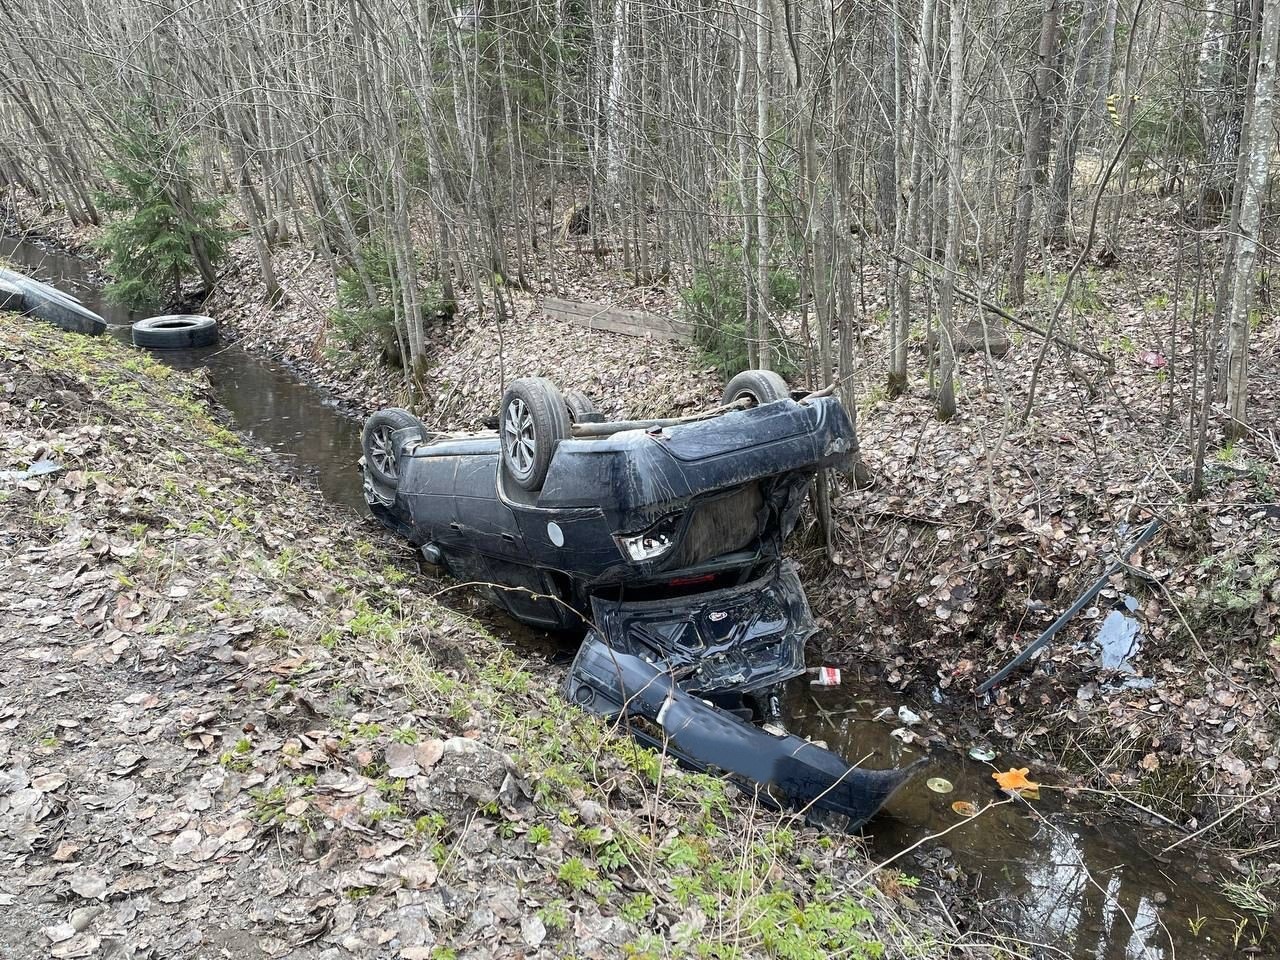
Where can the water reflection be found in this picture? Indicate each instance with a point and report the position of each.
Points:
(265, 401)
(1051, 871)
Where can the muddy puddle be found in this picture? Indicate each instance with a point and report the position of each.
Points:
(1067, 877)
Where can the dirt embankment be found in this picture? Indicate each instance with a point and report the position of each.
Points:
(231, 724)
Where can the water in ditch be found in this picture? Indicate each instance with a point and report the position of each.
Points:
(267, 403)
(1065, 876)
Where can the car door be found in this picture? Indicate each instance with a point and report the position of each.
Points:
(479, 515)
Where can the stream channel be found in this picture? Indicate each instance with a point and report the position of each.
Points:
(1068, 878)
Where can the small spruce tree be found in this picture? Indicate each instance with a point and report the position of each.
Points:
(161, 232)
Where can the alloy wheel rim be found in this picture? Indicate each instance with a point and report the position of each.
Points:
(382, 452)
(519, 438)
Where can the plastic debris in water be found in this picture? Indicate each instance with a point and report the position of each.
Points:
(1015, 780)
(908, 717)
(965, 808)
(939, 785)
(981, 751)
(826, 677)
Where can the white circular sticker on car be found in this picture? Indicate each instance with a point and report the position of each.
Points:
(555, 533)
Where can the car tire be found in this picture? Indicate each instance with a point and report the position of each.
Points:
(758, 386)
(176, 331)
(377, 443)
(580, 407)
(532, 421)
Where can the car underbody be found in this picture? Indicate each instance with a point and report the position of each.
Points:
(662, 543)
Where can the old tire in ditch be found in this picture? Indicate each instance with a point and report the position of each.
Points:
(581, 409)
(758, 386)
(176, 331)
(531, 423)
(377, 442)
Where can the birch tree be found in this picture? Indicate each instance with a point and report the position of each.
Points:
(1261, 140)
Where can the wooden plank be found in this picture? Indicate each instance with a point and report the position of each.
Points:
(602, 316)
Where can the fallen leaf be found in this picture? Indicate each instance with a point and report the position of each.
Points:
(429, 753)
(80, 919)
(419, 874)
(89, 885)
(49, 782)
(1013, 779)
(81, 946)
(65, 851)
(185, 842)
(61, 932)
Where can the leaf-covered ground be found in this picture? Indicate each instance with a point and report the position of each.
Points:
(232, 725)
(978, 532)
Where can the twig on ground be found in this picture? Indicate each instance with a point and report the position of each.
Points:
(1274, 788)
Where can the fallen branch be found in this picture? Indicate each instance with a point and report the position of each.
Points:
(1239, 806)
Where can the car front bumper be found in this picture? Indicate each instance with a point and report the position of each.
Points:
(784, 771)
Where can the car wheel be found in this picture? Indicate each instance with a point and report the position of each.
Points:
(758, 386)
(378, 443)
(176, 331)
(581, 409)
(533, 420)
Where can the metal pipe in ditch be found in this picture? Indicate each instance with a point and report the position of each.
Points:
(1148, 532)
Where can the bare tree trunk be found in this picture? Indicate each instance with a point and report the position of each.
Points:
(910, 233)
(764, 39)
(1102, 76)
(247, 201)
(1261, 145)
(1033, 145)
(614, 119)
(946, 399)
(1064, 166)
(744, 199)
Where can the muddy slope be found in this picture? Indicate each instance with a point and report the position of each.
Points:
(231, 724)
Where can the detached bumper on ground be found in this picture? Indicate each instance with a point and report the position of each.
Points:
(785, 771)
(19, 292)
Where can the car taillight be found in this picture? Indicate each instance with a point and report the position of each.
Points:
(651, 543)
(690, 581)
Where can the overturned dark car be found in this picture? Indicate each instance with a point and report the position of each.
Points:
(662, 540)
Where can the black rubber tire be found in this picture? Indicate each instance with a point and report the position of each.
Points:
(380, 455)
(532, 421)
(580, 407)
(176, 331)
(759, 386)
